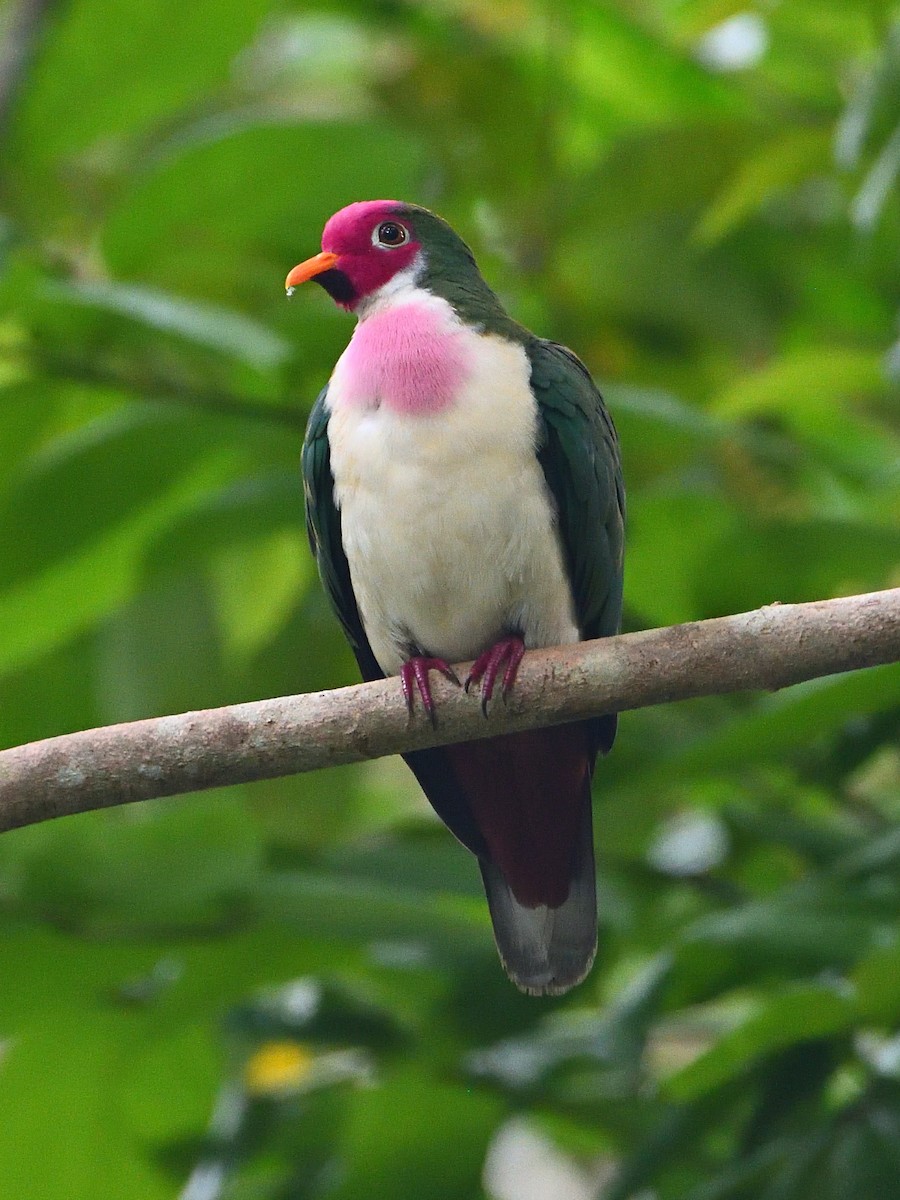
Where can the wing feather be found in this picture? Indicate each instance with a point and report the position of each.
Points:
(323, 528)
(578, 450)
(579, 453)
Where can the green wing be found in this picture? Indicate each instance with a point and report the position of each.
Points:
(323, 527)
(579, 453)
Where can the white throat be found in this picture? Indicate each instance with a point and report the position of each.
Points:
(399, 289)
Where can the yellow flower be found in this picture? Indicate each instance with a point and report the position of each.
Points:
(277, 1067)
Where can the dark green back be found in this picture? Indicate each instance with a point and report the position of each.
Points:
(579, 453)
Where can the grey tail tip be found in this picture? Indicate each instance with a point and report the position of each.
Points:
(551, 987)
(547, 951)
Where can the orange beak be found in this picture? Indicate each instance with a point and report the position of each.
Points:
(309, 269)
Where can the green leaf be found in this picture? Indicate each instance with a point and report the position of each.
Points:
(861, 1158)
(160, 864)
(215, 328)
(168, 1086)
(792, 561)
(45, 611)
(795, 930)
(23, 422)
(254, 507)
(877, 982)
(335, 906)
(76, 111)
(793, 720)
(618, 63)
(869, 202)
(256, 586)
(385, 1156)
(67, 1072)
(780, 165)
(670, 533)
(801, 384)
(159, 652)
(798, 1015)
(88, 483)
(232, 215)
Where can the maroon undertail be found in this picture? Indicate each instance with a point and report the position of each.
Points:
(527, 792)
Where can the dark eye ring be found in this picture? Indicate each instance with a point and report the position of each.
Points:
(391, 233)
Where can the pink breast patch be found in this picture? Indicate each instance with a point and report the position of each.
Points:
(408, 358)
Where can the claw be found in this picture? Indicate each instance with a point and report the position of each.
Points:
(414, 675)
(486, 668)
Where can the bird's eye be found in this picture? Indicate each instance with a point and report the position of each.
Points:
(390, 233)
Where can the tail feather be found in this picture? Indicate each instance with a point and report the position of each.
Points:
(545, 951)
(522, 803)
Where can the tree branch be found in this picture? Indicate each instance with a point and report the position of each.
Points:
(769, 648)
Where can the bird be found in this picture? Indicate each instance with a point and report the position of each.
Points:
(464, 501)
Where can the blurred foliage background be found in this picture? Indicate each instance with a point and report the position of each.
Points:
(289, 990)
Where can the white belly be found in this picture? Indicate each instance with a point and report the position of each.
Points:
(447, 521)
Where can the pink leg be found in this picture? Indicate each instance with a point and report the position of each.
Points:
(414, 673)
(486, 668)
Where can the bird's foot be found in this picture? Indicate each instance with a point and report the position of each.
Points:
(486, 668)
(414, 674)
